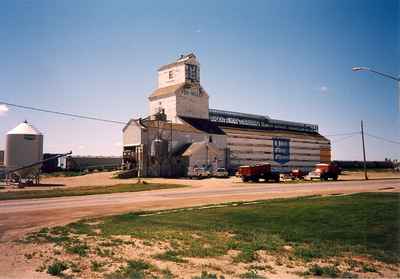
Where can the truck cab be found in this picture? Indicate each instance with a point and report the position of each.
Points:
(324, 171)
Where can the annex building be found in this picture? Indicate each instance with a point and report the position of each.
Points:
(182, 132)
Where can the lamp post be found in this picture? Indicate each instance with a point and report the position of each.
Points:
(358, 69)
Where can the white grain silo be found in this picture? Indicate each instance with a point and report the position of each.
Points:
(24, 146)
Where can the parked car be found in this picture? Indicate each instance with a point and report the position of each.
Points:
(221, 172)
(324, 172)
(256, 172)
(198, 173)
(297, 174)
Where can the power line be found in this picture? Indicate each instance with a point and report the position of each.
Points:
(64, 113)
(383, 139)
(342, 134)
(345, 138)
(349, 135)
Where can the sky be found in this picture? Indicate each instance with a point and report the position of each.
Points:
(289, 60)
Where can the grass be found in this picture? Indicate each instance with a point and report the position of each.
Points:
(85, 190)
(171, 256)
(317, 227)
(134, 269)
(79, 249)
(57, 268)
(96, 266)
(64, 174)
(252, 274)
(206, 275)
(323, 271)
(314, 227)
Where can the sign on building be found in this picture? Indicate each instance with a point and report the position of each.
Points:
(281, 150)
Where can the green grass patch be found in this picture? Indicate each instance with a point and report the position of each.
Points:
(318, 227)
(85, 190)
(323, 271)
(96, 266)
(171, 256)
(57, 268)
(252, 274)
(303, 229)
(134, 269)
(80, 249)
(64, 174)
(206, 275)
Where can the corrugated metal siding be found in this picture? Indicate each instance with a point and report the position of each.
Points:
(251, 147)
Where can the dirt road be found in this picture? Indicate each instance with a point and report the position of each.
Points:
(20, 216)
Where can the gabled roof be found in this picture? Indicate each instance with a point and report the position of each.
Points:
(196, 146)
(203, 125)
(178, 151)
(166, 91)
(181, 60)
(174, 90)
(135, 122)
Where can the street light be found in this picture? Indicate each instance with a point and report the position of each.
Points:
(358, 69)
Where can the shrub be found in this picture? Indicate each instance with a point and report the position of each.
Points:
(96, 266)
(206, 275)
(80, 249)
(246, 255)
(57, 268)
(170, 255)
(134, 269)
(324, 271)
(252, 274)
(368, 268)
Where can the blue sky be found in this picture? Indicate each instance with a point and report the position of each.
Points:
(290, 60)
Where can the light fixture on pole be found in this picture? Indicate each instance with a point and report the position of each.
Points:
(357, 69)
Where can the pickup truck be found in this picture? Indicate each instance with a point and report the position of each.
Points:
(198, 173)
(220, 173)
(297, 174)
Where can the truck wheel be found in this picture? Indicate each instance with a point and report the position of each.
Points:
(335, 177)
(256, 179)
(245, 179)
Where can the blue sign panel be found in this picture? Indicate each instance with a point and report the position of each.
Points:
(281, 150)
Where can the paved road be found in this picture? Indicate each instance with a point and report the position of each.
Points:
(20, 216)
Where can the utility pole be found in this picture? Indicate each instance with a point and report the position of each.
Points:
(363, 146)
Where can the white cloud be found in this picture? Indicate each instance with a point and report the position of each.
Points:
(81, 147)
(323, 89)
(197, 31)
(3, 109)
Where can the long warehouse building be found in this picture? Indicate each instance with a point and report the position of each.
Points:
(182, 132)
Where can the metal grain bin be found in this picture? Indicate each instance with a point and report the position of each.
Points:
(24, 146)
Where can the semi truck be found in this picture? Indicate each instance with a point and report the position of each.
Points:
(256, 172)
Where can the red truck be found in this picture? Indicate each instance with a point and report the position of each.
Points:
(256, 172)
(297, 174)
(325, 171)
